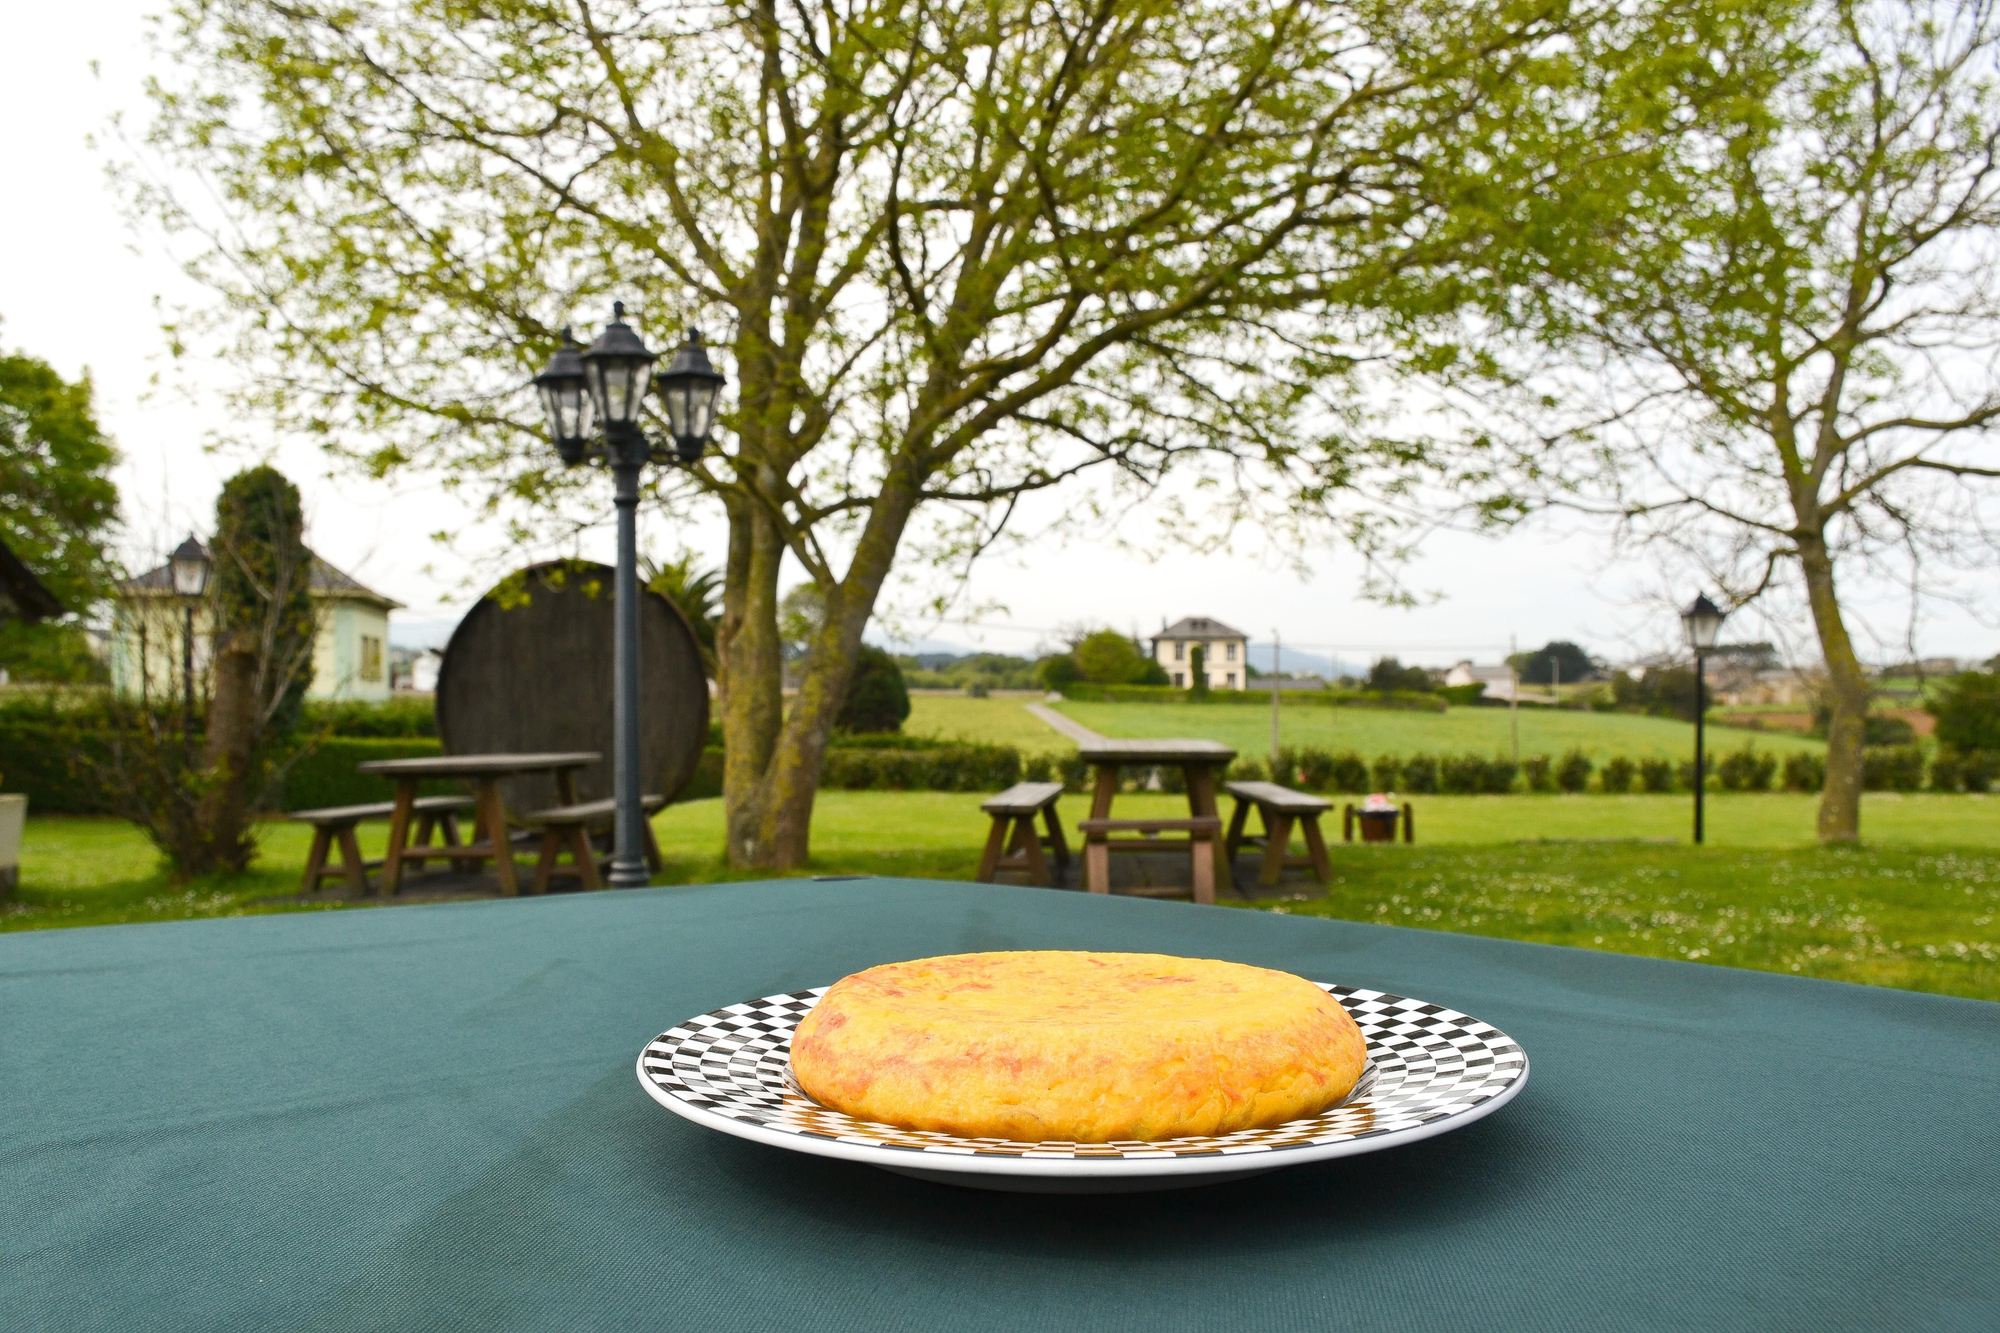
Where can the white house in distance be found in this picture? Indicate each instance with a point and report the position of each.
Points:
(350, 656)
(1498, 680)
(1225, 652)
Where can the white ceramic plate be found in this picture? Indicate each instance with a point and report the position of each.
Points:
(1430, 1069)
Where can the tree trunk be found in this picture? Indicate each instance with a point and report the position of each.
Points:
(770, 785)
(232, 724)
(1840, 802)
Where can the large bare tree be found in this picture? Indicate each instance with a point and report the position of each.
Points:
(959, 253)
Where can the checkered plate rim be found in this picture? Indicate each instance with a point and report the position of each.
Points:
(1430, 1069)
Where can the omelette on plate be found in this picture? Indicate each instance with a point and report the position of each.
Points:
(1083, 1047)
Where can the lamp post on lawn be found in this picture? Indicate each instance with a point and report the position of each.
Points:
(188, 566)
(1701, 623)
(606, 385)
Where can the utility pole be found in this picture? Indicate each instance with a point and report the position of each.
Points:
(1514, 697)
(1277, 650)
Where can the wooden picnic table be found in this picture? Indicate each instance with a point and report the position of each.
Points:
(490, 839)
(1200, 762)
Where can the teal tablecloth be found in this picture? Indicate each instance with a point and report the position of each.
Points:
(426, 1117)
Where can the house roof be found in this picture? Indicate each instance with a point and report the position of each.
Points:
(1198, 627)
(327, 582)
(21, 593)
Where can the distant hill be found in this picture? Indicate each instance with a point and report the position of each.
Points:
(1295, 662)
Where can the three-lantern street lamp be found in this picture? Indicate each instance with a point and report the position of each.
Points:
(188, 567)
(593, 398)
(1701, 623)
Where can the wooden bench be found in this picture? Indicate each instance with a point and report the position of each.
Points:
(1279, 808)
(1202, 834)
(333, 827)
(567, 828)
(1014, 833)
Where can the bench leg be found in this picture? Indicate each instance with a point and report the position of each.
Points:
(350, 855)
(1234, 842)
(1277, 841)
(316, 859)
(1031, 844)
(1097, 865)
(586, 859)
(1347, 824)
(1409, 822)
(1056, 839)
(996, 840)
(1316, 850)
(1202, 855)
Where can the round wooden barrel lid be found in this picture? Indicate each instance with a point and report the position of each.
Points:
(529, 669)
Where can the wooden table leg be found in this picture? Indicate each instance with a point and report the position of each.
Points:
(493, 820)
(1107, 787)
(1202, 869)
(399, 836)
(1201, 804)
(1096, 863)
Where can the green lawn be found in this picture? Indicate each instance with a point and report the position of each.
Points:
(999, 721)
(1915, 907)
(1373, 731)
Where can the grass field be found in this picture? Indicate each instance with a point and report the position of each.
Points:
(1373, 731)
(1915, 907)
(1002, 721)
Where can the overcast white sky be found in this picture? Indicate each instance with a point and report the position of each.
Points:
(79, 289)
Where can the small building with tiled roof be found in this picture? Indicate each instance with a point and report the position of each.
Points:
(1225, 652)
(350, 654)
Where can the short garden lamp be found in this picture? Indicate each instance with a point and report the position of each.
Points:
(188, 568)
(1701, 622)
(605, 387)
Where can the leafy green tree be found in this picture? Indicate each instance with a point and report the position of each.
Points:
(1198, 671)
(1967, 709)
(1107, 657)
(958, 254)
(58, 505)
(877, 699)
(1773, 327)
(1387, 673)
(1057, 670)
(1558, 660)
(265, 630)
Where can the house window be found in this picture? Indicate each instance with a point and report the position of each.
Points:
(1229, 681)
(371, 657)
(1229, 654)
(1180, 679)
(1180, 651)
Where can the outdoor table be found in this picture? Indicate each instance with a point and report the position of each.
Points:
(216, 1125)
(1200, 762)
(490, 839)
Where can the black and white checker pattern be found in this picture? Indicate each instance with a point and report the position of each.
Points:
(1426, 1064)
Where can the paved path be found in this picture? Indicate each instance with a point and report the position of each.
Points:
(1076, 731)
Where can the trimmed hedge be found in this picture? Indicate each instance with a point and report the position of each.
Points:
(39, 759)
(963, 767)
(1413, 700)
(326, 775)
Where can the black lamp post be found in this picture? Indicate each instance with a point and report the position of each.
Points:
(188, 566)
(1701, 622)
(606, 386)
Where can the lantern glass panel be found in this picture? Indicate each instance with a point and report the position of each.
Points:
(190, 577)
